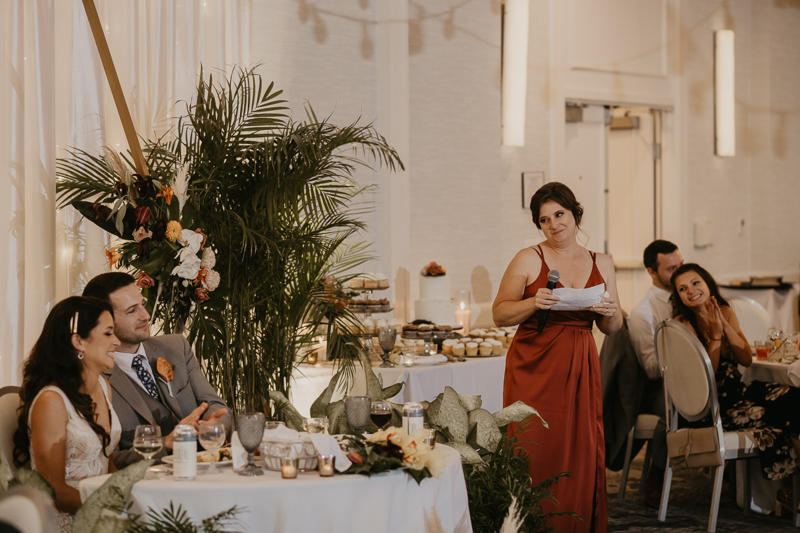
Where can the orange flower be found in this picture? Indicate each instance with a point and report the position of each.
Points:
(112, 257)
(167, 193)
(201, 277)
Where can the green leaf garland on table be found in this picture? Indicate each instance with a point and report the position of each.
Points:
(103, 511)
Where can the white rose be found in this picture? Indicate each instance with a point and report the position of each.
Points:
(212, 279)
(191, 240)
(209, 259)
(189, 267)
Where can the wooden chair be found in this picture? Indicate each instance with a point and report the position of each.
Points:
(690, 390)
(643, 429)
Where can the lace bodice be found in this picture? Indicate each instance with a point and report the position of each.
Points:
(83, 454)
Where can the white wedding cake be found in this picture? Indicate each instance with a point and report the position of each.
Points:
(434, 302)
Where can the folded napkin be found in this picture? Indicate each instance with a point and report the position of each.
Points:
(282, 434)
(238, 453)
(794, 373)
(327, 445)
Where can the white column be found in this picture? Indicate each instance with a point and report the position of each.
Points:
(393, 123)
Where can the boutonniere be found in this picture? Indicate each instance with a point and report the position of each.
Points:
(164, 371)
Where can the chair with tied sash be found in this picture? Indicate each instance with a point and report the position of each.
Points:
(690, 390)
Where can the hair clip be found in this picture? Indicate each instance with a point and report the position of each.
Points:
(73, 323)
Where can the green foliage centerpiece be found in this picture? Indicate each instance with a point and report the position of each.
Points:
(276, 200)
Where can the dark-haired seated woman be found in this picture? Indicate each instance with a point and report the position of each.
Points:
(67, 427)
(769, 409)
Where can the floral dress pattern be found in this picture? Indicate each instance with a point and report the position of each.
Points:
(770, 410)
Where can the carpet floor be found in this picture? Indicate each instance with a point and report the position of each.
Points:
(689, 506)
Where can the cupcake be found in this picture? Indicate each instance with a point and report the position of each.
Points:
(370, 282)
(485, 348)
(472, 348)
(425, 331)
(394, 324)
(497, 347)
(383, 281)
(410, 331)
(489, 335)
(501, 336)
(478, 339)
(357, 283)
(458, 349)
(447, 346)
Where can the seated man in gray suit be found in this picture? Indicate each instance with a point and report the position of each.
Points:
(141, 395)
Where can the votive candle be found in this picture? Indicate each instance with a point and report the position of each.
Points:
(326, 465)
(288, 467)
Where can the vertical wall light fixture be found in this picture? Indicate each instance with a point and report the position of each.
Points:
(515, 70)
(724, 96)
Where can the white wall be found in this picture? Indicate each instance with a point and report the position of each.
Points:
(462, 207)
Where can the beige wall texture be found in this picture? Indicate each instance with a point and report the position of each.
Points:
(462, 195)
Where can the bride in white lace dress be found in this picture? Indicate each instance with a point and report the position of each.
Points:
(67, 426)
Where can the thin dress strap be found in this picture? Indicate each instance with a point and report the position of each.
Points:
(594, 257)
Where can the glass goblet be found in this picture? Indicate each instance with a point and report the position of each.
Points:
(380, 413)
(357, 409)
(147, 442)
(250, 428)
(211, 434)
(386, 340)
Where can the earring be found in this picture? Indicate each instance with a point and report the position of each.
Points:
(80, 355)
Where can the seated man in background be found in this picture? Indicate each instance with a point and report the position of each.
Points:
(144, 391)
(661, 258)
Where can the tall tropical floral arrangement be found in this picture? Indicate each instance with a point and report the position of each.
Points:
(276, 200)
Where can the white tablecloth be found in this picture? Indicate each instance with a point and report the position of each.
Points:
(391, 502)
(767, 371)
(780, 304)
(480, 375)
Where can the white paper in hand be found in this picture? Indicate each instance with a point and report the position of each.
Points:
(327, 445)
(578, 299)
(238, 453)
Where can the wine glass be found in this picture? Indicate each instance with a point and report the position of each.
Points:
(316, 425)
(147, 442)
(211, 434)
(250, 428)
(380, 413)
(386, 339)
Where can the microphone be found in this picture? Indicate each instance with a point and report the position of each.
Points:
(552, 278)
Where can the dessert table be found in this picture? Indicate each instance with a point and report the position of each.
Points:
(479, 375)
(391, 502)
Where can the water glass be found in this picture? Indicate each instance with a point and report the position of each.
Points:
(357, 409)
(250, 428)
(211, 434)
(147, 442)
(430, 438)
(316, 425)
(274, 424)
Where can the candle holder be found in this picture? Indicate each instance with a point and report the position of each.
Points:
(288, 467)
(463, 301)
(327, 464)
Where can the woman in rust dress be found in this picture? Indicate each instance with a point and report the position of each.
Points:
(558, 371)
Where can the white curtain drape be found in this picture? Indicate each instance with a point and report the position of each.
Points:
(54, 95)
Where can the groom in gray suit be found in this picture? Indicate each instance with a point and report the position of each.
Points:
(144, 391)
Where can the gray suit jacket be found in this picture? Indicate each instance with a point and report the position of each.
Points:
(189, 389)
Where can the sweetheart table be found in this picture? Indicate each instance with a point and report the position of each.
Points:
(477, 376)
(391, 502)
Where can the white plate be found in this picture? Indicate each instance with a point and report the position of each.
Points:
(170, 460)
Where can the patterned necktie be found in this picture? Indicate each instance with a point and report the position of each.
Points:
(144, 376)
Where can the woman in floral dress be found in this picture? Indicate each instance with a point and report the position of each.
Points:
(770, 410)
